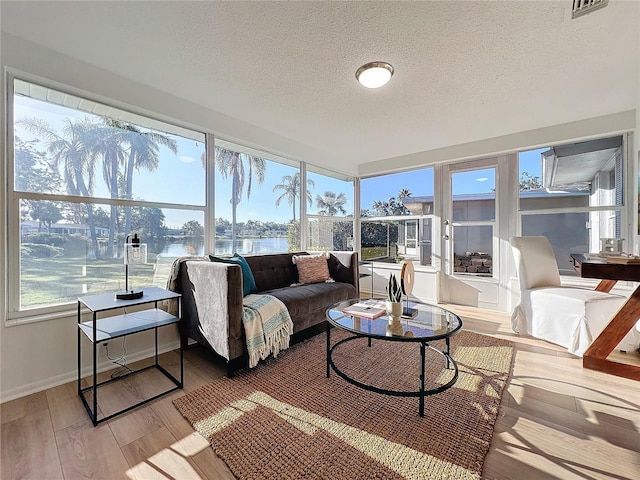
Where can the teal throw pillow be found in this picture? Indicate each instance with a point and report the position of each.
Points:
(248, 282)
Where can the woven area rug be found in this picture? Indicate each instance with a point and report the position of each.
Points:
(286, 420)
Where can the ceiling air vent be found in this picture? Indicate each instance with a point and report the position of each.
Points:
(581, 7)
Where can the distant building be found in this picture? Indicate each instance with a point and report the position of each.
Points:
(28, 226)
(276, 233)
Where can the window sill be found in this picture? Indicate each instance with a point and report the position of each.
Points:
(475, 278)
(398, 266)
(25, 319)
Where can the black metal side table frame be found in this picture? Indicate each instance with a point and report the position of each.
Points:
(421, 393)
(94, 336)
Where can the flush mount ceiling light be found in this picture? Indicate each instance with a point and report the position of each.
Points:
(374, 74)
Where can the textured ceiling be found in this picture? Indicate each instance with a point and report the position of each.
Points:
(464, 71)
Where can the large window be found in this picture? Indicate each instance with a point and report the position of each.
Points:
(329, 210)
(573, 195)
(396, 217)
(257, 201)
(84, 176)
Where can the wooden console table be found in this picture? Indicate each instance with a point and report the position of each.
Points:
(595, 357)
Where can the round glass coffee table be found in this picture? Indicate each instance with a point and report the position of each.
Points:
(429, 324)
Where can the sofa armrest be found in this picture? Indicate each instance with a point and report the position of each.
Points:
(212, 305)
(343, 267)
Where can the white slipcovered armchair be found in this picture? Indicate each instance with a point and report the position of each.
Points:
(568, 316)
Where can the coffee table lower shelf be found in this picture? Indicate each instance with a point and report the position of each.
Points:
(421, 393)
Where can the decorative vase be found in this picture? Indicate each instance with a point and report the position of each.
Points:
(394, 328)
(394, 309)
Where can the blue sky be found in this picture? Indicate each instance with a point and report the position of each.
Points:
(530, 162)
(420, 181)
(261, 204)
(179, 179)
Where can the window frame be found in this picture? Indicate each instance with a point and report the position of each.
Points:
(401, 218)
(308, 217)
(431, 266)
(624, 209)
(14, 314)
(242, 148)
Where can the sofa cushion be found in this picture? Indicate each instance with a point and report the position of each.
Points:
(248, 281)
(312, 268)
(273, 270)
(308, 303)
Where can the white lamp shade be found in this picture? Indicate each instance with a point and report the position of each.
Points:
(374, 74)
(135, 253)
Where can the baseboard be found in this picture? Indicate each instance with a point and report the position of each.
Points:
(72, 376)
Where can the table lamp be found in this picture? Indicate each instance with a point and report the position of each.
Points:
(134, 253)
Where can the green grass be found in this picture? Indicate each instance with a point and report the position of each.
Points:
(53, 281)
(373, 252)
(379, 254)
(50, 281)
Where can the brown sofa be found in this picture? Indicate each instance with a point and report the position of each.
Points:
(212, 299)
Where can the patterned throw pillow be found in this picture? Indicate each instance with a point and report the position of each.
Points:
(312, 268)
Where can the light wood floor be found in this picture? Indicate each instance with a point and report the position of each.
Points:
(557, 421)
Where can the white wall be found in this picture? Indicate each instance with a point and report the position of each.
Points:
(615, 123)
(97, 84)
(425, 286)
(36, 356)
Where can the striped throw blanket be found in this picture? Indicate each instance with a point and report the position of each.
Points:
(267, 326)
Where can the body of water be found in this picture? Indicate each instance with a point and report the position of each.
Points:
(245, 246)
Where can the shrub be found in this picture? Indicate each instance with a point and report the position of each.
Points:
(39, 250)
(54, 239)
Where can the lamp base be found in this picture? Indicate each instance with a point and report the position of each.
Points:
(129, 294)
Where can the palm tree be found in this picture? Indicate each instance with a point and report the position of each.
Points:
(291, 191)
(392, 206)
(232, 164)
(143, 153)
(404, 193)
(71, 151)
(329, 204)
(107, 141)
(380, 208)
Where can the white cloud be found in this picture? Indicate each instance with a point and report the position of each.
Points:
(186, 159)
(482, 179)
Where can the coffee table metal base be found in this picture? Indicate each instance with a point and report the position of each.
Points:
(421, 393)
